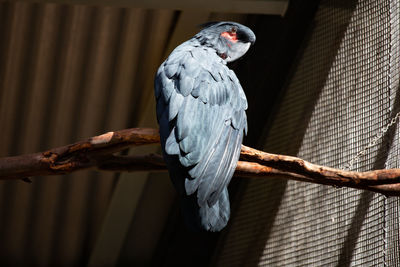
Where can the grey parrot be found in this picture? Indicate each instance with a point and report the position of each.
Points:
(201, 113)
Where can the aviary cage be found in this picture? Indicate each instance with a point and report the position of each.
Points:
(343, 91)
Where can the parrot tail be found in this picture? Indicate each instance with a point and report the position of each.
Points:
(200, 216)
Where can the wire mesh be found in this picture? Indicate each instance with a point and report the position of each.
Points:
(345, 89)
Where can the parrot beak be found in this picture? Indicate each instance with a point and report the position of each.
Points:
(252, 38)
(247, 35)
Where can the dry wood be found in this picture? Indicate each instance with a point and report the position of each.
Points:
(99, 153)
(86, 154)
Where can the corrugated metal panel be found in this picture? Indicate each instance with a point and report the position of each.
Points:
(66, 73)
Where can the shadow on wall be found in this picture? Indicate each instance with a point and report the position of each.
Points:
(347, 251)
(322, 54)
(254, 216)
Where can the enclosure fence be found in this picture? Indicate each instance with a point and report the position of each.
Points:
(343, 91)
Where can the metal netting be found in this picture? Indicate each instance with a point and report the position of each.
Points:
(344, 90)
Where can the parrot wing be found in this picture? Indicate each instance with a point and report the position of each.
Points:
(201, 111)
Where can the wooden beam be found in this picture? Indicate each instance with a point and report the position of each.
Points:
(268, 7)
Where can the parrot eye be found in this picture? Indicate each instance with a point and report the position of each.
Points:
(230, 35)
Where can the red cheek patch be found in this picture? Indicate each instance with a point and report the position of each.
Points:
(231, 36)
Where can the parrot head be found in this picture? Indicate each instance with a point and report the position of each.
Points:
(230, 40)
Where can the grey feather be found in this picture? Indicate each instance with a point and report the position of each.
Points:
(190, 67)
(171, 145)
(171, 69)
(217, 164)
(216, 217)
(185, 84)
(166, 85)
(229, 167)
(175, 104)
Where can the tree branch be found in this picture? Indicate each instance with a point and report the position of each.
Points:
(82, 155)
(99, 153)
